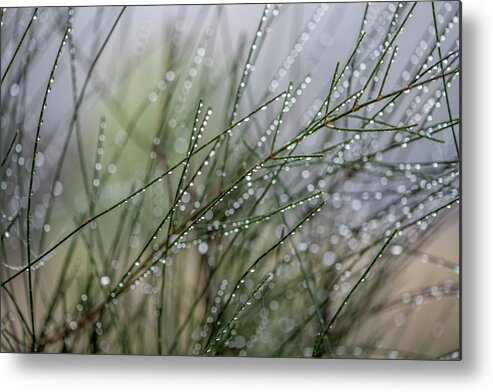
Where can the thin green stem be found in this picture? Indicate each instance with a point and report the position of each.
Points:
(31, 182)
(445, 89)
(31, 20)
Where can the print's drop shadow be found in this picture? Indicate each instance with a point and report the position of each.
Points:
(234, 367)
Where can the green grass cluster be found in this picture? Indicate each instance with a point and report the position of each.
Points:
(194, 191)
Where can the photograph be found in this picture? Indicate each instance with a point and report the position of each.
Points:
(232, 180)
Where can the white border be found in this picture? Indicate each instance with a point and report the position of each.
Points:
(86, 373)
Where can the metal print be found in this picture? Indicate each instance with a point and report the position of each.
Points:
(264, 180)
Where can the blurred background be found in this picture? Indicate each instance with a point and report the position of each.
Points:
(121, 110)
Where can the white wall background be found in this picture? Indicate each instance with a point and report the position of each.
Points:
(85, 373)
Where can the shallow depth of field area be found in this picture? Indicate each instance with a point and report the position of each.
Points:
(278, 180)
